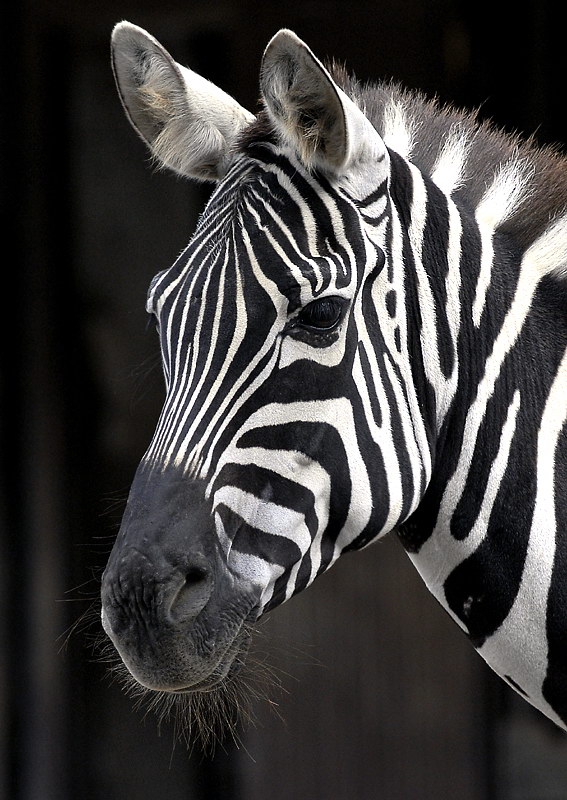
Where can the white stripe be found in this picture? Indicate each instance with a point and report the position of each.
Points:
(266, 516)
(484, 274)
(449, 170)
(452, 309)
(508, 190)
(399, 132)
(427, 306)
(402, 360)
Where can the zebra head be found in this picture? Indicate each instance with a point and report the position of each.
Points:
(292, 428)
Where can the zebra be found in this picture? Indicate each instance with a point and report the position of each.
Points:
(367, 333)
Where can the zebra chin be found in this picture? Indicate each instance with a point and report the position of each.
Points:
(174, 662)
(177, 615)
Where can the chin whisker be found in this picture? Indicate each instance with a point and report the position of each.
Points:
(204, 720)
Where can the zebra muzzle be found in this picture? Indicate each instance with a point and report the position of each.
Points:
(171, 606)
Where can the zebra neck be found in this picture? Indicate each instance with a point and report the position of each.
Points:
(484, 534)
(474, 359)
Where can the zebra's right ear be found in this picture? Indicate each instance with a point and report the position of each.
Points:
(311, 113)
(187, 121)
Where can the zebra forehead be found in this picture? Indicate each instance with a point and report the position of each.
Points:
(267, 223)
(467, 158)
(267, 194)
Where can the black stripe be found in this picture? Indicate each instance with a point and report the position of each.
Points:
(261, 482)
(435, 250)
(255, 542)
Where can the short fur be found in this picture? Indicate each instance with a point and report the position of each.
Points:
(434, 406)
(488, 151)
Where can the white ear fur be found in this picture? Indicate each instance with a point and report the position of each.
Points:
(312, 114)
(187, 121)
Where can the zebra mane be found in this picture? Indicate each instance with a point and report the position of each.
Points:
(464, 156)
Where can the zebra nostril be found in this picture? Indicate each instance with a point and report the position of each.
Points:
(195, 575)
(192, 595)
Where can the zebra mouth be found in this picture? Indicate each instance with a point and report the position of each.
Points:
(227, 668)
(181, 658)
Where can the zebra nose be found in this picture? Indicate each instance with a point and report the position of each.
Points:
(151, 589)
(192, 595)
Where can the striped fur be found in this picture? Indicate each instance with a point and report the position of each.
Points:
(436, 408)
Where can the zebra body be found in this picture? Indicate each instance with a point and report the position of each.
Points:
(367, 333)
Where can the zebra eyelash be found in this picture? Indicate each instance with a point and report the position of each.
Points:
(318, 321)
(322, 315)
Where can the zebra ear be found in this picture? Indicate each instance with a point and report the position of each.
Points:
(188, 122)
(312, 114)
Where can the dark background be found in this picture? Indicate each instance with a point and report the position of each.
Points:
(381, 696)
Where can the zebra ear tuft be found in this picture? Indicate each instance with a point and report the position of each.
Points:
(187, 121)
(311, 113)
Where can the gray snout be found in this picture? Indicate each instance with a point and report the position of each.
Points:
(170, 604)
(155, 591)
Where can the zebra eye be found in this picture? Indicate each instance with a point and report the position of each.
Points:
(323, 314)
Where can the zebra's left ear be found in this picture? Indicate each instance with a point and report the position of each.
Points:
(311, 113)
